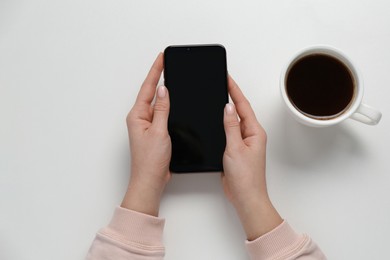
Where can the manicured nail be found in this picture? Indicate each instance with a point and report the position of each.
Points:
(162, 91)
(229, 108)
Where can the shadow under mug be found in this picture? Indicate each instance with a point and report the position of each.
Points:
(356, 110)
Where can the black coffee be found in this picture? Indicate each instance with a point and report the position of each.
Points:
(320, 85)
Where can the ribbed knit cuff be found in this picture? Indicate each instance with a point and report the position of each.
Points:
(281, 241)
(132, 227)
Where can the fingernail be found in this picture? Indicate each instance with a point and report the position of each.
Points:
(229, 109)
(162, 91)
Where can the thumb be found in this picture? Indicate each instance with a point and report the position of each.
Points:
(161, 108)
(232, 126)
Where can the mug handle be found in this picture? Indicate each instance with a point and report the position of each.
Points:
(367, 115)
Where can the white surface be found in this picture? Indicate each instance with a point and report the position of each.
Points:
(70, 70)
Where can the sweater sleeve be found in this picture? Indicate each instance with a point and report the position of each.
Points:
(130, 235)
(284, 243)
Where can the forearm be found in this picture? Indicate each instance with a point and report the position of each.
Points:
(270, 237)
(130, 235)
(284, 243)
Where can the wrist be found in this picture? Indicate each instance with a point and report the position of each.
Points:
(258, 217)
(144, 199)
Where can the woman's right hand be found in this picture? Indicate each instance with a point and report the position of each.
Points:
(244, 159)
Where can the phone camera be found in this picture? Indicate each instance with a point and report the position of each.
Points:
(188, 49)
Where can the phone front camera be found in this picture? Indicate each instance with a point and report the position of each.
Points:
(188, 49)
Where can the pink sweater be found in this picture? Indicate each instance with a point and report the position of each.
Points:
(135, 236)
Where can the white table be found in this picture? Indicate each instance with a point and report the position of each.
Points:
(70, 70)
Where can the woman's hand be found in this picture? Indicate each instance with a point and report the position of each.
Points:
(244, 166)
(150, 144)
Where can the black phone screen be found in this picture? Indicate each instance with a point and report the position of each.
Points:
(196, 77)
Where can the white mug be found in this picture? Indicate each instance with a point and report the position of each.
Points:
(356, 110)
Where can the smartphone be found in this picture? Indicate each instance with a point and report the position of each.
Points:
(196, 78)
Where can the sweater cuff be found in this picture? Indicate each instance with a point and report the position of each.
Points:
(132, 227)
(279, 242)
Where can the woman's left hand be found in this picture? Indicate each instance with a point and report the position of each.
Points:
(150, 144)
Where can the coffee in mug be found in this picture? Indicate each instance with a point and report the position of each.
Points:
(321, 87)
